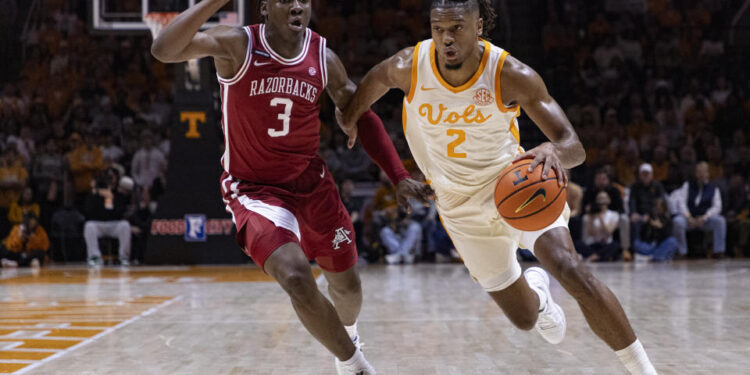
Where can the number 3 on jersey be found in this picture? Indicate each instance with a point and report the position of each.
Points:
(460, 138)
(285, 117)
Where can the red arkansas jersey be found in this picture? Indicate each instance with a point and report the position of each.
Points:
(270, 110)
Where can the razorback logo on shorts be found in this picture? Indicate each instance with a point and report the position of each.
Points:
(341, 235)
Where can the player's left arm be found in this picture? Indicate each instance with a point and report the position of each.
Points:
(374, 138)
(521, 85)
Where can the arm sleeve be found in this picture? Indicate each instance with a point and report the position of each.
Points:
(378, 145)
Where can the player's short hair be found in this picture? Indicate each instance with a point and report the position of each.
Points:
(485, 8)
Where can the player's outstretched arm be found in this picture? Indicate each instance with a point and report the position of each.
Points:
(374, 138)
(521, 85)
(394, 72)
(182, 40)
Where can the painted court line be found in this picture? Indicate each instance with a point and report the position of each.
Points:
(98, 336)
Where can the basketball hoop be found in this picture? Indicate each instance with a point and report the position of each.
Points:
(157, 20)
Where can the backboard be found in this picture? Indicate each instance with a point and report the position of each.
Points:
(127, 15)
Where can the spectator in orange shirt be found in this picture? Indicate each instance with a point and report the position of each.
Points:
(23, 206)
(85, 161)
(26, 245)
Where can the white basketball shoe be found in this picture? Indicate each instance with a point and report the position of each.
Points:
(551, 323)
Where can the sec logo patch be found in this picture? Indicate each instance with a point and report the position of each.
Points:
(483, 97)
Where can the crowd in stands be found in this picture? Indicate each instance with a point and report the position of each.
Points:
(661, 104)
(83, 134)
(658, 98)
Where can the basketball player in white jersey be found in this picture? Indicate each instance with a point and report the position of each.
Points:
(463, 96)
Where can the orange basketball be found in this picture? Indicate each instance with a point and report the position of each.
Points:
(525, 200)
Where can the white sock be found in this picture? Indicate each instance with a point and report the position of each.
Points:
(636, 360)
(352, 330)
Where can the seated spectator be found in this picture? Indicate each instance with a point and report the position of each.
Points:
(24, 205)
(85, 160)
(602, 182)
(26, 245)
(657, 242)
(401, 235)
(643, 194)
(598, 227)
(104, 209)
(699, 206)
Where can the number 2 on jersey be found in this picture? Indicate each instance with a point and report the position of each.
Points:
(461, 137)
(284, 117)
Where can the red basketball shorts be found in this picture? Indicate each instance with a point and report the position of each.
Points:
(307, 211)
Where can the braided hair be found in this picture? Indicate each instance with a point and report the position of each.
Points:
(485, 8)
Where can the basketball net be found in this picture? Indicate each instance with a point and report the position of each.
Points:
(156, 21)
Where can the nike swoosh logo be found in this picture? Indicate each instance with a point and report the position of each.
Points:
(261, 64)
(428, 89)
(323, 173)
(539, 193)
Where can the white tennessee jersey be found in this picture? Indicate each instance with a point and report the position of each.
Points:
(461, 137)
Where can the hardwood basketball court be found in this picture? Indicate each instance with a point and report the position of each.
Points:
(424, 319)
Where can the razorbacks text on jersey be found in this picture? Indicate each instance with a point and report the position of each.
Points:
(461, 137)
(270, 110)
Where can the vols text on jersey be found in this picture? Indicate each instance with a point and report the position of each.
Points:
(470, 115)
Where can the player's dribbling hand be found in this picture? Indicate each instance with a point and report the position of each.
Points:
(411, 188)
(350, 129)
(545, 154)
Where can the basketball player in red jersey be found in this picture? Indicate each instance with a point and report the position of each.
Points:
(283, 199)
(477, 91)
